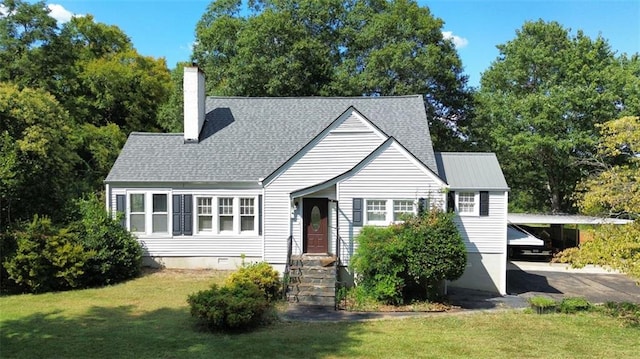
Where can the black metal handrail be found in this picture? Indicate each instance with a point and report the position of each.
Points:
(285, 275)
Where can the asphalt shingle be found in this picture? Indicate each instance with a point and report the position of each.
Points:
(244, 139)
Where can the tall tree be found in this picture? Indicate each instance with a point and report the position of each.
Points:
(335, 48)
(38, 149)
(71, 94)
(539, 103)
(613, 191)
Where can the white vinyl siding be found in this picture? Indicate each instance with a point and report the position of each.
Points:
(200, 244)
(338, 151)
(391, 175)
(486, 234)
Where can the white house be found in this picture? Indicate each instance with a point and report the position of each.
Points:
(248, 174)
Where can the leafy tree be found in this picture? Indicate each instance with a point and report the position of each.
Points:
(38, 147)
(539, 103)
(69, 96)
(334, 48)
(614, 190)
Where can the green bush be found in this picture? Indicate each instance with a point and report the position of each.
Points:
(240, 305)
(408, 261)
(262, 275)
(379, 263)
(118, 254)
(93, 250)
(47, 259)
(574, 304)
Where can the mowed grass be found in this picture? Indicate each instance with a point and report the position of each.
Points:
(149, 318)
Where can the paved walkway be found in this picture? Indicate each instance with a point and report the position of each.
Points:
(525, 279)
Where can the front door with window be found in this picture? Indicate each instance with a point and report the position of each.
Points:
(316, 235)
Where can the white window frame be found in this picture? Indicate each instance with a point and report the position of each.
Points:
(148, 211)
(476, 203)
(389, 210)
(164, 213)
(130, 211)
(402, 201)
(212, 214)
(220, 213)
(241, 209)
(385, 206)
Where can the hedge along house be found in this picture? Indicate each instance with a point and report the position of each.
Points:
(266, 179)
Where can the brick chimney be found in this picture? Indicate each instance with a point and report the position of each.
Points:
(194, 103)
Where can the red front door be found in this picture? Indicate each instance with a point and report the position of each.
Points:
(316, 236)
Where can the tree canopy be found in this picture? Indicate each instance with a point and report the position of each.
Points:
(335, 48)
(69, 95)
(538, 107)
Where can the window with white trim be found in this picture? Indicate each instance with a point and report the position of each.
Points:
(402, 208)
(247, 214)
(225, 214)
(467, 203)
(159, 218)
(376, 210)
(137, 213)
(205, 214)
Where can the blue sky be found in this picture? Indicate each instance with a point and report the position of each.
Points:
(165, 28)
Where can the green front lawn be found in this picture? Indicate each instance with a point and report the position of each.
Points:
(149, 318)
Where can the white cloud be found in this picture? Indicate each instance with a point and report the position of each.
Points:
(458, 41)
(59, 13)
(4, 11)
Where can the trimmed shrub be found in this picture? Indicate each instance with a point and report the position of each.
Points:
(47, 259)
(240, 305)
(409, 260)
(262, 275)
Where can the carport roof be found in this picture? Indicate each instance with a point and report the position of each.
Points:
(529, 218)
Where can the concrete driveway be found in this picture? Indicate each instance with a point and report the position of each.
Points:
(527, 279)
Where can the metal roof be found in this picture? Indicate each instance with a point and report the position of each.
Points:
(529, 218)
(244, 139)
(471, 170)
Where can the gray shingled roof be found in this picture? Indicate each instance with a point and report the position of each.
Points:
(471, 170)
(244, 139)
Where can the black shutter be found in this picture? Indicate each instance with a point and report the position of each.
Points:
(451, 201)
(423, 205)
(357, 212)
(121, 208)
(177, 214)
(484, 203)
(187, 225)
(260, 215)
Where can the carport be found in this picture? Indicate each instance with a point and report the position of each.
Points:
(558, 231)
(557, 280)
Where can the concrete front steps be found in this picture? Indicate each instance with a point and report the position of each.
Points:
(312, 280)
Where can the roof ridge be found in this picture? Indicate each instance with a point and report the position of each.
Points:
(314, 97)
(135, 133)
